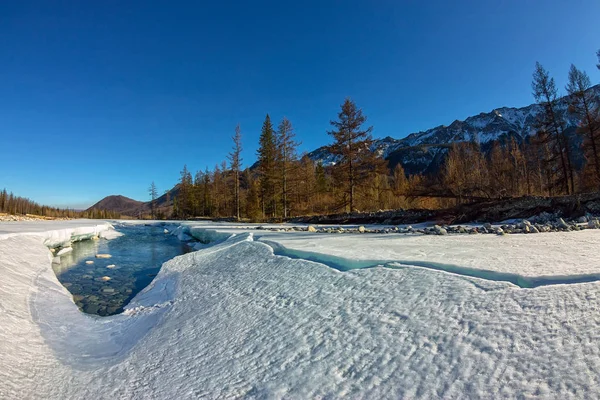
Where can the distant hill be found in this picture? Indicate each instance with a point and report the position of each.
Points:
(121, 204)
(133, 208)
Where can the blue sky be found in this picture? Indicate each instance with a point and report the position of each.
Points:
(103, 97)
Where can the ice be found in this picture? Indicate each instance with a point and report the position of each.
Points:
(234, 320)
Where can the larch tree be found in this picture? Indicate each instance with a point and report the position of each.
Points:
(583, 105)
(235, 163)
(288, 157)
(352, 146)
(552, 122)
(267, 152)
(184, 199)
(153, 196)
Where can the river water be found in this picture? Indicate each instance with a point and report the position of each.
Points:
(103, 286)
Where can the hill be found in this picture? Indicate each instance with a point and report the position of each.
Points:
(121, 204)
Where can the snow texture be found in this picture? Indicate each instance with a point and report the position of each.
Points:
(234, 320)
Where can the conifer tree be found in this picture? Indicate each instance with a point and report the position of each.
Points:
(235, 160)
(206, 195)
(267, 168)
(253, 209)
(582, 104)
(552, 122)
(286, 146)
(184, 199)
(352, 146)
(153, 196)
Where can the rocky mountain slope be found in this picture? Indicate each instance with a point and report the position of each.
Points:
(424, 152)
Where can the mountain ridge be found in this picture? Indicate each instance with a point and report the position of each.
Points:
(499, 124)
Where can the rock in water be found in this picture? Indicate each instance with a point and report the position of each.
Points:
(361, 229)
(593, 224)
(103, 256)
(311, 229)
(166, 231)
(89, 262)
(111, 266)
(105, 278)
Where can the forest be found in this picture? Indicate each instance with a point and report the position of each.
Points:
(284, 184)
(16, 205)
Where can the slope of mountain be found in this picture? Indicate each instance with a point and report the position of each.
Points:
(121, 204)
(133, 208)
(424, 152)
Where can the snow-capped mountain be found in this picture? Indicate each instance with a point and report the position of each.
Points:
(424, 152)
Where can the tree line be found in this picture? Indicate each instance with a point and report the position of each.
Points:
(17, 205)
(284, 184)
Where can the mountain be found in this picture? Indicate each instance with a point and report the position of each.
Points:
(121, 204)
(133, 208)
(424, 152)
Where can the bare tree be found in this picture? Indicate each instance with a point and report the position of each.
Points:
(582, 104)
(546, 94)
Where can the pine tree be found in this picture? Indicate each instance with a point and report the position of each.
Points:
(598, 54)
(267, 168)
(253, 210)
(582, 104)
(184, 199)
(552, 122)
(352, 146)
(235, 163)
(153, 196)
(287, 152)
(206, 194)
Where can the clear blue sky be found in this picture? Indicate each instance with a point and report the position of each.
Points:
(102, 97)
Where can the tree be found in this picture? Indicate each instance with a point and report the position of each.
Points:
(351, 145)
(184, 199)
(235, 162)
(598, 54)
(552, 122)
(465, 172)
(252, 198)
(266, 168)
(286, 146)
(582, 104)
(153, 196)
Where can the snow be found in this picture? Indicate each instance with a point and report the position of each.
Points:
(234, 320)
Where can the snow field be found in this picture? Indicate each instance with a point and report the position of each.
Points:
(233, 320)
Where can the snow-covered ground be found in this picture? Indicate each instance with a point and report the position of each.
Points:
(234, 320)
